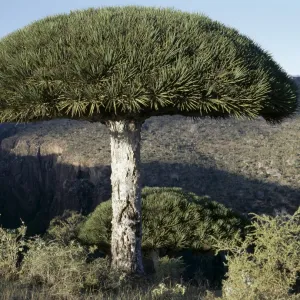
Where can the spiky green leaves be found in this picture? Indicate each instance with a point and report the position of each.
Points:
(135, 62)
(172, 219)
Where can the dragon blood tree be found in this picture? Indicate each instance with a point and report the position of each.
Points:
(122, 65)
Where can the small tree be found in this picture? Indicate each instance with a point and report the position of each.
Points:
(65, 228)
(122, 65)
(173, 220)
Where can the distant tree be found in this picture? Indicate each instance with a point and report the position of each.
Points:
(122, 65)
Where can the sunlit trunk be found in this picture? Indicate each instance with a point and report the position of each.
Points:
(126, 196)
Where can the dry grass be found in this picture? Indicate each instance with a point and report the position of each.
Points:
(52, 269)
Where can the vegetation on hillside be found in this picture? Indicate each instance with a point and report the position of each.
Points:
(57, 269)
(272, 269)
(173, 219)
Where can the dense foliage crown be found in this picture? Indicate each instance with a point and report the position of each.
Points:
(135, 62)
(173, 219)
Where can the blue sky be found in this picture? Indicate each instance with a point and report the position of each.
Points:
(274, 24)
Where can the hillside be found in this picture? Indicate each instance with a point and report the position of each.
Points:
(250, 166)
(297, 79)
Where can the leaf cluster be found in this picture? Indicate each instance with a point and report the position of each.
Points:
(135, 62)
(64, 228)
(172, 219)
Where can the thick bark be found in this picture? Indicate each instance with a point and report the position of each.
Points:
(126, 240)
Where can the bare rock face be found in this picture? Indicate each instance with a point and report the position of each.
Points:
(48, 167)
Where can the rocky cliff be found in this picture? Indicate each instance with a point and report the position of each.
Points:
(47, 167)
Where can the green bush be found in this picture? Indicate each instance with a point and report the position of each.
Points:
(96, 230)
(56, 266)
(100, 277)
(63, 269)
(272, 268)
(172, 220)
(169, 268)
(64, 228)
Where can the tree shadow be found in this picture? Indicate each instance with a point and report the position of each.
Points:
(38, 188)
(233, 190)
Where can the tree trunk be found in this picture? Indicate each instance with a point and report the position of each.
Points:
(126, 243)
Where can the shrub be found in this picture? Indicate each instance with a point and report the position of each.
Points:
(172, 219)
(12, 243)
(63, 269)
(271, 269)
(96, 230)
(164, 292)
(169, 268)
(56, 266)
(100, 277)
(64, 228)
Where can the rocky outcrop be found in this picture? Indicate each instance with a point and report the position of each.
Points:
(48, 167)
(45, 170)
